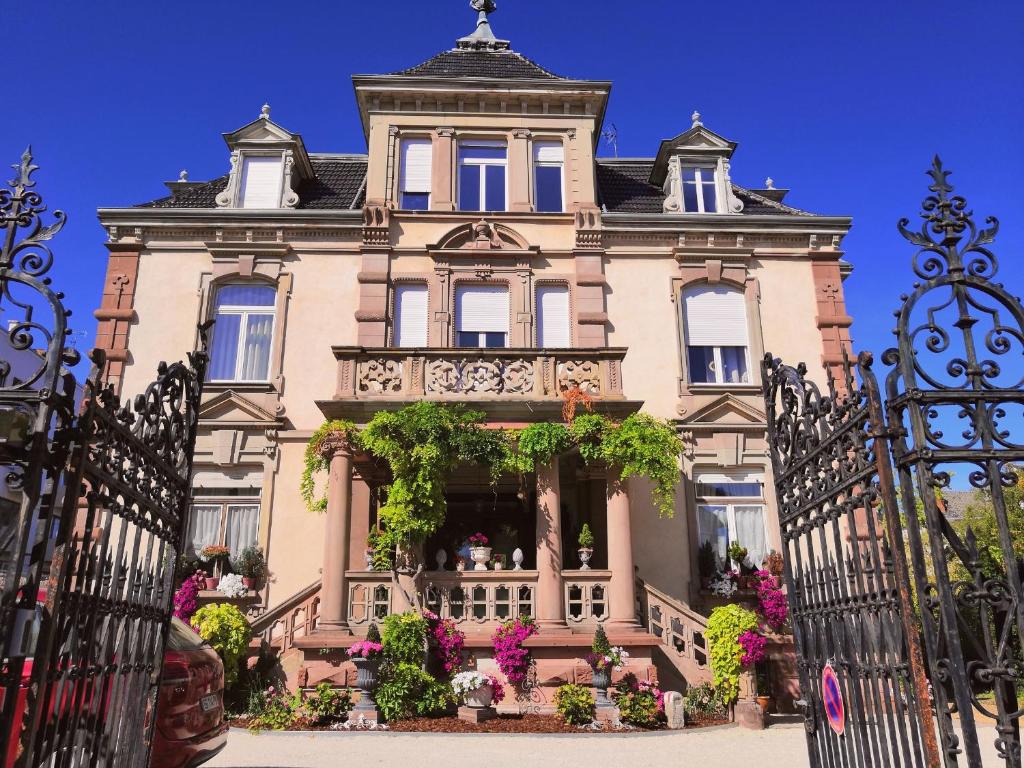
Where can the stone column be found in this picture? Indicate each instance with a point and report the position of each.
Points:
(550, 608)
(622, 588)
(334, 593)
(442, 158)
(520, 170)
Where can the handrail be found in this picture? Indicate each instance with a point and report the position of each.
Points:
(267, 619)
(681, 631)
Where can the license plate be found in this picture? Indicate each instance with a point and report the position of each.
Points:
(209, 703)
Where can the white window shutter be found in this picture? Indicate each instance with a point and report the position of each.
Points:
(416, 157)
(553, 316)
(261, 182)
(482, 308)
(715, 316)
(410, 316)
(548, 152)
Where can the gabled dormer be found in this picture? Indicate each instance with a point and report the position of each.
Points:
(693, 171)
(268, 163)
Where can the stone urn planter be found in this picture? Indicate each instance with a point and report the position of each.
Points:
(585, 554)
(481, 556)
(366, 681)
(480, 698)
(601, 681)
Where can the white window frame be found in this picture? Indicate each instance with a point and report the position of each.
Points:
(243, 177)
(403, 143)
(700, 170)
(481, 335)
(481, 163)
(718, 367)
(224, 503)
(245, 311)
(547, 164)
(731, 503)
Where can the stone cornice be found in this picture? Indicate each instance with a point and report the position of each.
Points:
(228, 217)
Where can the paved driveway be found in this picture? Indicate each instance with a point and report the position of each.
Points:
(781, 746)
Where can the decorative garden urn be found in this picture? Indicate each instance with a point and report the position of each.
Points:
(585, 554)
(366, 681)
(481, 556)
(481, 697)
(602, 679)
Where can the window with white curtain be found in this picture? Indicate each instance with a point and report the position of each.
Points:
(242, 333)
(553, 316)
(233, 524)
(481, 316)
(548, 177)
(410, 321)
(415, 175)
(699, 189)
(715, 331)
(261, 182)
(730, 510)
(482, 177)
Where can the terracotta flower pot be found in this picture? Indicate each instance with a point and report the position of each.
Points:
(212, 582)
(249, 582)
(764, 702)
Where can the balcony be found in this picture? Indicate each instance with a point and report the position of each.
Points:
(506, 383)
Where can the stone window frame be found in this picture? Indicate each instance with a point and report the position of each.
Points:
(461, 278)
(411, 278)
(733, 275)
(399, 135)
(724, 200)
(562, 137)
(239, 270)
(562, 281)
(231, 197)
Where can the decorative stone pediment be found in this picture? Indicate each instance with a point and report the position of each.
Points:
(482, 235)
(231, 409)
(697, 142)
(727, 411)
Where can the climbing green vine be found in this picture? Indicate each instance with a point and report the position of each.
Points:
(725, 625)
(540, 442)
(315, 460)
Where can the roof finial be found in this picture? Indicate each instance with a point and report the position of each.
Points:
(183, 176)
(265, 112)
(695, 117)
(769, 183)
(483, 37)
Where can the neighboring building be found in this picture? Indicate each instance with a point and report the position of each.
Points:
(479, 252)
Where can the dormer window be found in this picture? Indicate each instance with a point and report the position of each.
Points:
(261, 182)
(414, 194)
(699, 189)
(482, 177)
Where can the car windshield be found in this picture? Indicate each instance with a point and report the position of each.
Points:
(182, 637)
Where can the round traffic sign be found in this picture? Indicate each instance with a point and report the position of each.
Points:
(832, 698)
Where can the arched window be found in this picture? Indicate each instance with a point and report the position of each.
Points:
(715, 328)
(242, 335)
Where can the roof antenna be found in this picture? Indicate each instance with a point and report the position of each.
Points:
(611, 135)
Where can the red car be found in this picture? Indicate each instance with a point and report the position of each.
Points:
(190, 727)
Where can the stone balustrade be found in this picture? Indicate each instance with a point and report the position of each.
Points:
(681, 631)
(524, 373)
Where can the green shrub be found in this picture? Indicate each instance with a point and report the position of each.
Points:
(725, 625)
(638, 704)
(227, 630)
(586, 539)
(327, 704)
(250, 563)
(601, 646)
(404, 638)
(273, 710)
(406, 690)
(575, 703)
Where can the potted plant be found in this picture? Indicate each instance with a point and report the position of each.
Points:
(764, 698)
(603, 658)
(738, 555)
(498, 562)
(479, 551)
(586, 551)
(366, 656)
(250, 565)
(477, 689)
(215, 555)
(774, 564)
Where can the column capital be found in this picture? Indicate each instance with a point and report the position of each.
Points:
(337, 444)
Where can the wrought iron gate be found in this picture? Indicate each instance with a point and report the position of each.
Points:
(93, 498)
(859, 484)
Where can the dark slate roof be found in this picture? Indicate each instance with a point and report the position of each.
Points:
(957, 502)
(503, 65)
(623, 187)
(339, 185)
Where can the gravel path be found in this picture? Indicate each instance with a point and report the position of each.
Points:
(781, 745)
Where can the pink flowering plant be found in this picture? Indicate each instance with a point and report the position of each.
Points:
(512, 658)
(771, 601)
(478, 540)
(753, 645)
(185, 599)
(466, 683)
(641, 702)
(447, 641)
(365, 649)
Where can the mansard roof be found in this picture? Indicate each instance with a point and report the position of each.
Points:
(624, 187)
(339, 183)
(488, 64)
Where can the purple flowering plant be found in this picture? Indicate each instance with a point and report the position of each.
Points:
(448, 639)
(753, 645)
(771, 601)
(512, 658)
(365, 649)
(186, 598)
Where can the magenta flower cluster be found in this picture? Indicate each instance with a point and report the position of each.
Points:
(185, 599)
(365, 649)
(478, 540)
(512, 658)
(753, 645)
(652, 686)
(498, 690)
(771, 601)
(448, 641)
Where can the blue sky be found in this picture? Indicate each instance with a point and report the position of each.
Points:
(843, 103)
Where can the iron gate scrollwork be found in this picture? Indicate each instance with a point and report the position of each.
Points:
(907, 575)
(93, 500)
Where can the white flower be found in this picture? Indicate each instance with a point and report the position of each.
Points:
(232, 585)
(722, 586)
(467, 682)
